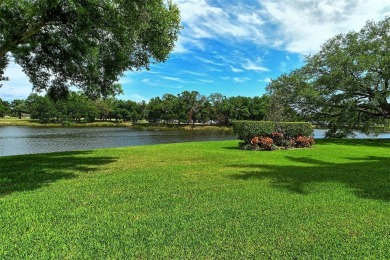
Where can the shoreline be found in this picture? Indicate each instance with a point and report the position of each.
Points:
(10, 121)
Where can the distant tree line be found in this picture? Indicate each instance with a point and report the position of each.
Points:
(188, 107)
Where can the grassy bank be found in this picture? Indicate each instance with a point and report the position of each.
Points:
(183, 126)
(198, 200)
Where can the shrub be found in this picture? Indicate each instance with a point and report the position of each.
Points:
(247, 130)
(294, 129)
(67, 123)
(288, 143)
(245, 146)
(278, 138)
(304, 141)
(266, 143)
(255, 140)
(265, 135)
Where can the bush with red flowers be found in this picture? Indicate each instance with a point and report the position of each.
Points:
(260, 136)
(304, 141)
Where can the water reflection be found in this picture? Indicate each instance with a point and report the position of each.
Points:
(27, 140)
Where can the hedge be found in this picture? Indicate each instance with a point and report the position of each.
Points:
(247, 130)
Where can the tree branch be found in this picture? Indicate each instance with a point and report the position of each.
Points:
(21, 38)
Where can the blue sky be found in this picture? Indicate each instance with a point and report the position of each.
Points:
(235, 47)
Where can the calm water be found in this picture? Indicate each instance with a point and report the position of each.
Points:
(27, 140)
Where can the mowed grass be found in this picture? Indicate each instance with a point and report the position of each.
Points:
(198, 201)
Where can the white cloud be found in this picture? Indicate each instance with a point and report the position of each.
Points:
(234, 21)
(240, 80)
(302, 26)
(180, 46)
(252, 18)
(235, 69)
(208, 61)
(267, 80)
(299, 26)
(173, 79)
(18, 86)
(125, 80)
(250, 65)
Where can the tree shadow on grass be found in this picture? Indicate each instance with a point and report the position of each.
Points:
(367, 177)
(30, 172)
(354, 142)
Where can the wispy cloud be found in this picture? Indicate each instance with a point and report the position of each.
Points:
(293, 25)
(209, 61)
(240, 80)
(266, 80)
(250, 65)
(235, 69)
(204, 20)
(206, 80)
(187, 72)
(173, 79)
(125, 80)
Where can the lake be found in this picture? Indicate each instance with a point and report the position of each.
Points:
(16, 140)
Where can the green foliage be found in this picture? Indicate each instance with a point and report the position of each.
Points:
(247, 130)
(345, 86)
(88, 44)
(294, 129)
(192, 107)
(3, 108)
(41, 108)
(188, 107)
(18, 107)
(202, 200)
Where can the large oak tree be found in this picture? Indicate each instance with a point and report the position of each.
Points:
(346, 84)
(85, 43)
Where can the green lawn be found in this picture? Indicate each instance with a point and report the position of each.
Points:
(198, 200)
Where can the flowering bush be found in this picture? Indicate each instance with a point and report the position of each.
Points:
(278, 138)
(277, 134)
(255, 140)
(288, 143)
(267, 136)
(304, 141)
(266, 143)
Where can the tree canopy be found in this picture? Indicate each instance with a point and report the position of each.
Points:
(346, 84)
(87, 44)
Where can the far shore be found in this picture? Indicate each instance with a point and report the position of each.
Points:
(13, 121)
